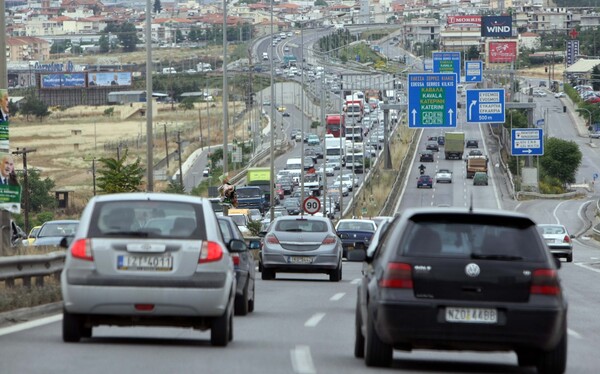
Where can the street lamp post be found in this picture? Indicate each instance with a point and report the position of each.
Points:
(272, 125)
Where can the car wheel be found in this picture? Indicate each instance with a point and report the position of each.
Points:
(251, 301)
(267, 274)
(72, 327)
(220, 330)
(336, 274)
(555, 360)
(377, 353)
(359, 339)
(241, 302)
(570, 258)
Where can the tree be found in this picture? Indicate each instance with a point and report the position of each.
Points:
(13, 108)
(40, 197)
(473, 53)
(187, 104)
(34, 107)
(128, 37)
(175, 187)
(157, 7)
(179, 36)
(320, 3)
(561, 159)
(103, 44)
(115, 175)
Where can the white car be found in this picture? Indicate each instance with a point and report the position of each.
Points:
(329, 170)
(443, 175)
(348, 180)
(539, 93)
(558, 95)
(336, 186)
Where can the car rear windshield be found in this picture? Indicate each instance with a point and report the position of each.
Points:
(356, 226)
(475, 236)
(151, 219)
(301, 225)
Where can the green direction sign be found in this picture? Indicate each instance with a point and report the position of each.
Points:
(446, 66)
(432, 100)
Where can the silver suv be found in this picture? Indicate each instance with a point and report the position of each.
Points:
(149, 259)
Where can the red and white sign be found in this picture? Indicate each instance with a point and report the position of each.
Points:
(311, 205)
(453, 20)
(502, 52)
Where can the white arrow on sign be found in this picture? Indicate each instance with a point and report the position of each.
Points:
(473, 103)
(414, 113)
(527, 151)
(450, 111)
(473, 78)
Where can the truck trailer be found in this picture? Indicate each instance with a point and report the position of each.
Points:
(454, 145)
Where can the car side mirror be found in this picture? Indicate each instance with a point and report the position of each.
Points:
(236, 245)
(254, 244)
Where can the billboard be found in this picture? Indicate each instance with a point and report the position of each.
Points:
(107, 79)
(10, 189)
(62, 80)
(473, 20)
(502, 51)
(496, 26)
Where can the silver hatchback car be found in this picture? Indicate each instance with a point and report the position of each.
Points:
(123, 270)
(301, 244)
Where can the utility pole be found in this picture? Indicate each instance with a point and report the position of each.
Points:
(166, 145)
(25, 188)
(180, 156)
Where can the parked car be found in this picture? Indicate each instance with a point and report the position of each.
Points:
(32, 236)
(438, 280)
(424, 181)
(120, 272)
(443, 176)
(595, 135)
(298, 245)
(245, 268)
(557, 238)
(558, 95)
(52, 232)
(426, 156)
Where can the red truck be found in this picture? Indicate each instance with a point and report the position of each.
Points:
(335, 125)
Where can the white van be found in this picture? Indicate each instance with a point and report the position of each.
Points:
(169, 71)
(265, 56)
(294, 164)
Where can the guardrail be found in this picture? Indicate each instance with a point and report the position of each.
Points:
(32, 266)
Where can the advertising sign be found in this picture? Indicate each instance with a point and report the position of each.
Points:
(572, 51)
(10, 190)
(50, 80)
(107, 79)
(73, 80)
(4, 100)
(472, 19)
(496, 26)
(62, 80)
(502, 51)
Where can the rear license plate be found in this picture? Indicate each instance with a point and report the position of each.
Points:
(300, 260)
(471, 315)
(145, 263)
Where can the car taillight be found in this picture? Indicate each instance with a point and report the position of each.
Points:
(236, 259)
(210, 251)
(545, 282)
(329, 239)
(566, 239)
(272, 239)
(397, 275)
(82, 249)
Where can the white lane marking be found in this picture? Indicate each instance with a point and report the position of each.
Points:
(574, 334)
(585, 266)
(302, 362)
(355, 281)
(337, 296)
(30, 324)
(556, 209)
(314, 320)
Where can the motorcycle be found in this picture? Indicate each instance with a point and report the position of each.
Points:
(421, 171)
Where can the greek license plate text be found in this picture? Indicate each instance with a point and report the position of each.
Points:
(471, 315)
(145, 263)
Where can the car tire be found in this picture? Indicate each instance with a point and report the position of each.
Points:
(359, 339)
(220, 330)
(251, 301)
(72, 327)
(555, 360)
(570, 258)
(241, 302)
(267, 274)
(336, 274)
(377, 352)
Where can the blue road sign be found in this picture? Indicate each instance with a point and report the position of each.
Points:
(595, 176)
(432, 100)
(527, 142)
(485, 106)
(446, 62)
(540, 122)
(473, 71)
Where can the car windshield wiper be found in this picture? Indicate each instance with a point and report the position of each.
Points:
(479, 256)
(141, 234)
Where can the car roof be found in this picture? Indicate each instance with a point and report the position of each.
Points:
(147, 196)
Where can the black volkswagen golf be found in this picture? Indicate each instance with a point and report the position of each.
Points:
(458, 279)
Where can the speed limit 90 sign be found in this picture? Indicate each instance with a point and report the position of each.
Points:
(311, 205)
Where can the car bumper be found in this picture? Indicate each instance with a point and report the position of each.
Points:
(561, 250)
(117, 296)
(422, 325)
(282, 262)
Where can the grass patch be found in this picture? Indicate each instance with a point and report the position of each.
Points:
(22, 297)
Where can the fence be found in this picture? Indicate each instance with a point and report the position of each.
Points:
(31, 267)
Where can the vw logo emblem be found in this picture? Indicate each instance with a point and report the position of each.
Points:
(472, 270)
